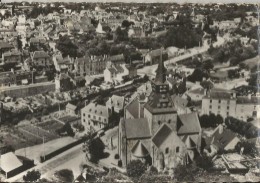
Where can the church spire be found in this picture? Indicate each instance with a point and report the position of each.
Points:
(161, 71)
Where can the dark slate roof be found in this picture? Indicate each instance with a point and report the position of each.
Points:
(139, 150)
(5, 45)
(160, 103)
(133, 108)
(217, 93)
(221, 140)
(160, 136)
(188, 124)
(137, 128)
(179, 102)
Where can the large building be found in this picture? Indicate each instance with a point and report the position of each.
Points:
(226, 103)
(95, 116)
(153, 132)
(219, 101)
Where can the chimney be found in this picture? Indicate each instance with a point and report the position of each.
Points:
(12, 70)
(249, 96)
(234, 95)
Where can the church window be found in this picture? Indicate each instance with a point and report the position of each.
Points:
(167, 150)
(169, 121)
(159, 122)
(177, 149)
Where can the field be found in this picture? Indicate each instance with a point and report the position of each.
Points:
(50, 126)
(29, 135)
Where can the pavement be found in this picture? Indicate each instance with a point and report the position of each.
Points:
(51, 164)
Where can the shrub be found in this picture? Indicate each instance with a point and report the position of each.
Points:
(64, 175)
(116, 156)
(119, 163)
(135, 169)
(32, 176)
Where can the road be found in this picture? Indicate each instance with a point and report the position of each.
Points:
(50, 164)
(150, 70)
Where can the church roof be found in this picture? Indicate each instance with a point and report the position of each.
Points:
(160, 103)
(139, 150)
(188, 123)
(161, 71)
(137, 128)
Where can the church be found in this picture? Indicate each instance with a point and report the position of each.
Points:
(154, 132)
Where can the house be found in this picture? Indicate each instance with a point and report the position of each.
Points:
(219, 101)
(95, 116)
(12, 57)
(221, 139)
(248, 107)
(117, 59)
(12, 165)
(99, 29)
(136, 32)
(63, 82)
(5, 47)
(63, 65)
(196, 94)
(90, 65)
(153, 57)
(41, 58)
(116, 103)
(172, 51)
(71, 109)
(115, 73)
(153, 132)
(219, 76)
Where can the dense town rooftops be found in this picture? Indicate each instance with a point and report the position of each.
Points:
(40, 54)
(5, 45)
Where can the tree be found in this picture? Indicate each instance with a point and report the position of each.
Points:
(32, 176)
(94, 147)
(185, 173)
(204, 162)
(135, 169)
(64, 175)
(127, 24)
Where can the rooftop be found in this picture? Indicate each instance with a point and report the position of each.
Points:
(137, 128)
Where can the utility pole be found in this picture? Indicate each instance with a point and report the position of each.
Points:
(43, 139)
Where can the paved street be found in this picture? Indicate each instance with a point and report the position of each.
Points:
(51, 164)
(150, 70)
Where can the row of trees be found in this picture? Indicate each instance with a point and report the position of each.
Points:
(212, 120)
(245, 129)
